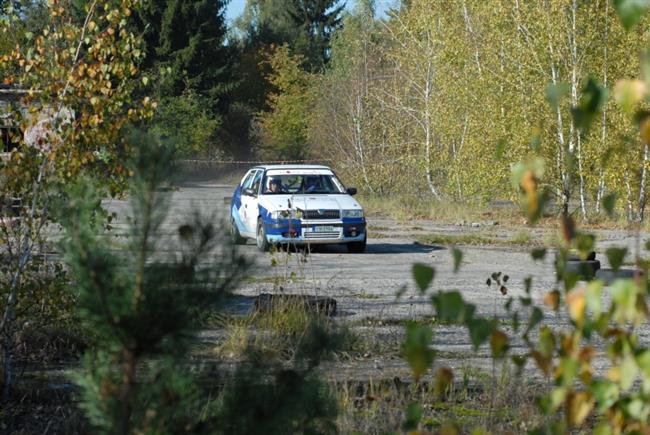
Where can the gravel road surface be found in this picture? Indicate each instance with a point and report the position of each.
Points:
(365, 285)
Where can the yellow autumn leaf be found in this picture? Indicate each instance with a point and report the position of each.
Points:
(629, 93)
(498, 343)
(552, 299)
(578, 407)
(576, 302)
(545, 364)
(614, 374)
(569, 342)
(586, 373)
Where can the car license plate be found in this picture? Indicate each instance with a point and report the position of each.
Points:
(322, 229)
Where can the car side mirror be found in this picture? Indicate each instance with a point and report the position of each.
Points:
(351, 191)
(248, 191)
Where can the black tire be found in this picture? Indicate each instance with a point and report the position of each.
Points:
(261, 240)
(357, 247)
(575, 257)
(236, 237)
(585, 269)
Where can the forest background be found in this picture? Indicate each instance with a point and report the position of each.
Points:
(421, 101)
(428, 99)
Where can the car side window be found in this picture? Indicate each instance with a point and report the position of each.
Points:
(257, 180)
(246, 183)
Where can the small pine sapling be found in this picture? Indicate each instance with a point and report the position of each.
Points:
(140, 305)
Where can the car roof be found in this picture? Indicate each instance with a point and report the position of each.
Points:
(267, 167)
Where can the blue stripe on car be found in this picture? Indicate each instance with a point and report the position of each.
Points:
(354, 220)
(236, 198)
(264, 214)
(277, 226)
(241, 226)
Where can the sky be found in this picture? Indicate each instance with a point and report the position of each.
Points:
(236, 7)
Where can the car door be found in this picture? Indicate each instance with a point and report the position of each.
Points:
(249, 209)
(238, 209)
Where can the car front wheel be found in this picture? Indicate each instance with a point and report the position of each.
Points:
(237, 239)
(262, 241)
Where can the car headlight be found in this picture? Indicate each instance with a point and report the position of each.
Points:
(352, 214)
(279, 214)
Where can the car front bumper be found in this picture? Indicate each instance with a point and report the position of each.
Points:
(315, 232)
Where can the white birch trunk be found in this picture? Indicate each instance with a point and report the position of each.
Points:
(603, 130)
(628, 196)
(642, 187)
(470, 31)
(427, 125)
(561, 151)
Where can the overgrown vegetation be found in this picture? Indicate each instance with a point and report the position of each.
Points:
(70, 74)
(476, 402)
(426, 105)
(134, 377)
(614, 400)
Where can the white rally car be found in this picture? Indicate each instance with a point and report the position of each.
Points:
(301, 204)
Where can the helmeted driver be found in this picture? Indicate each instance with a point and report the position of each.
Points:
(311, 184)
(275, 186)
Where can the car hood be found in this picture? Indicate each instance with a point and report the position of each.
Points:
(309, 202)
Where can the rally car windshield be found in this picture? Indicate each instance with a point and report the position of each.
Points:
(284, 184)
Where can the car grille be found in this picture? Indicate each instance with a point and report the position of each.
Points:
(314, 236)
(321, 214)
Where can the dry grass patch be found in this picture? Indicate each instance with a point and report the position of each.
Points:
(477, 401)
(278, 331)
(522, 238)
(405, 208)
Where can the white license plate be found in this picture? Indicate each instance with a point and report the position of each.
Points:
(321, 229)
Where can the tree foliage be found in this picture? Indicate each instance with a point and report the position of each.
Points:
(305, 28)
(185, 45)
(189, 68)
(460, 92)
(284, 128)
(74, 83)
(614, 400)
(187, 121)
(123, 293)
(315, 22)
(352, 135)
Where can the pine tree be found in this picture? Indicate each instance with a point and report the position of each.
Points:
(140, 305)
(191, 65)
(316, 20)
(185, 43)
(266, 22)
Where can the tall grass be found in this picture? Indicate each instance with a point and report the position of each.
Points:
(407, 207)
(278, 331)
(475, 403)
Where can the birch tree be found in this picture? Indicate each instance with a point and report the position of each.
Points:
(415, 69)
(344, 111)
